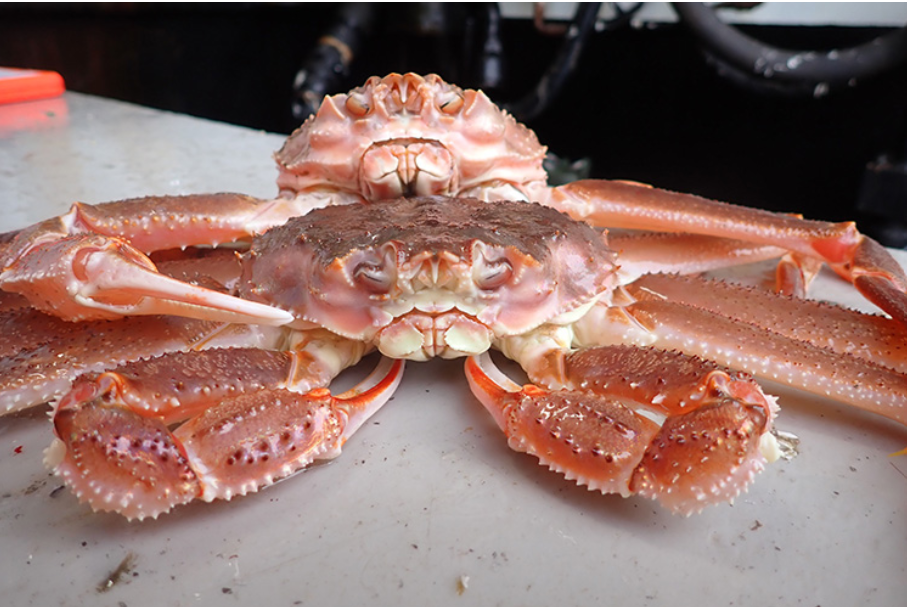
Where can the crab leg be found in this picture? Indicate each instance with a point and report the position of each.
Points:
(641, 253)
(836, 371)
(115, 450)
(92, 277)
(31, 372)
(711, 440)
(854, 256)
(35, 343)
(155, 223)
(873, 338)
(90, 263)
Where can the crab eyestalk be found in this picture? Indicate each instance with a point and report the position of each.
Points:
(701, 441)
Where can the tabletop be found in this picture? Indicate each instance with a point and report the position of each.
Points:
(427, 505)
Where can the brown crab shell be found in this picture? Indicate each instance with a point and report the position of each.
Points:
(313, 265)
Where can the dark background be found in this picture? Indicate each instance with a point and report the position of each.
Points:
(642, 104)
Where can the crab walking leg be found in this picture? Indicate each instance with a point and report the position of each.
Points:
(31, 372)
(712, 441)
(117, 457)
(155, 223)
(756, 350)
(873, 338)
(854, 256)
(641, 253)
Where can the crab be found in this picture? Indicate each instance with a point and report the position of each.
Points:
(201, 333)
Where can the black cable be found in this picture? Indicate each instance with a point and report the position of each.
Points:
(328, 64)
(564, 64)
(827, 70)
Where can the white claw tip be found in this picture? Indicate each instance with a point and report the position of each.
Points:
(769, 448)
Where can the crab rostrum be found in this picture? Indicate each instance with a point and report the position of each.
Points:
(414, 219)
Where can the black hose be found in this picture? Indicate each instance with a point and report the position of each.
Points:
(563, 65)
(328, 64)
(827, 70)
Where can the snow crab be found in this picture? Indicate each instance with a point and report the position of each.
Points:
(414, 218)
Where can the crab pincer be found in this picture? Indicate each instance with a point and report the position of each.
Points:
(91, 262)
(635, 421)
(115, 448)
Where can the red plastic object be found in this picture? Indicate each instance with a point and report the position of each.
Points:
(25, 85)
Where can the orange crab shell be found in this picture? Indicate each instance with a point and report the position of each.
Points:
(331, 146)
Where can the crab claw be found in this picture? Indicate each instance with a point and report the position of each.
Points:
(705, 451)
(117, 457)
(89, 277)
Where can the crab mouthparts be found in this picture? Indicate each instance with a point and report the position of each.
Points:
(407, 167)
(420, 337)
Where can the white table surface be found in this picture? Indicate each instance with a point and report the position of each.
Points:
(427, 495)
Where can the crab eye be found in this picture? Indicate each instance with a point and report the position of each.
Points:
(451, 103)
(357, 104)
(494, 274)
(373, 277)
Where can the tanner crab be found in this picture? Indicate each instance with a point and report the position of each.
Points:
(414, 219)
